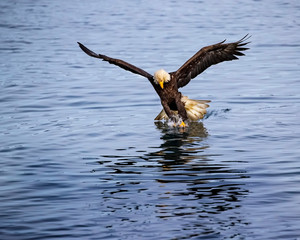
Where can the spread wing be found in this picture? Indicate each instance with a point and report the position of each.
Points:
(208, 56)
(122, 64)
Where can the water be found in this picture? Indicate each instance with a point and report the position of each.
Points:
(81, 157)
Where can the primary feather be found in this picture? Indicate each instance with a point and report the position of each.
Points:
(207, 57)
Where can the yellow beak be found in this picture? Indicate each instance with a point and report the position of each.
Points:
(161, 84)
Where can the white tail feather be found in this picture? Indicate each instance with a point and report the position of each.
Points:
(195, 109)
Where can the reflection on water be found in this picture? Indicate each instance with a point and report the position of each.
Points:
(176, 181)
(180, 146)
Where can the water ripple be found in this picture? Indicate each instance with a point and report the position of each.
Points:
(81, 157)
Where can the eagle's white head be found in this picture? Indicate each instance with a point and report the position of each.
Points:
(161, 76)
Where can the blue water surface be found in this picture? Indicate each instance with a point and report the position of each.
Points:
(81, 156)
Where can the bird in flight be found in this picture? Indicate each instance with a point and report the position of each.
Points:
(175, 105)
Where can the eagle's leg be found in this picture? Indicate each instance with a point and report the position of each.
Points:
(168, 111)
(181, 111)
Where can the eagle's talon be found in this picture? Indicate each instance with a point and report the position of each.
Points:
(182, 124)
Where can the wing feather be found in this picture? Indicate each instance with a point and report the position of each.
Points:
(207, 57)
(118, 62)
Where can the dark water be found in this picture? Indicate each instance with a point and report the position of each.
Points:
(80, 154)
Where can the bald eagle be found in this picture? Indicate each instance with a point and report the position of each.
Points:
(175, 105)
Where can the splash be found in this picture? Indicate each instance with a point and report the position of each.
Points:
(176, 123)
